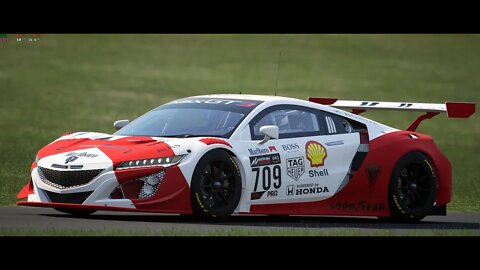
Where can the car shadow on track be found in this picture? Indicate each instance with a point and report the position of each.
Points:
(283, 221)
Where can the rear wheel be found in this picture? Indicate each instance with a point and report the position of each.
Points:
(216, 186)
(412, 189)
(76, 212)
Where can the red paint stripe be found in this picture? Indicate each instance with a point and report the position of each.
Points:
(323, 101)
(209, 141)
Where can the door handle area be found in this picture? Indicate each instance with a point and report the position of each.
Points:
(334, 143)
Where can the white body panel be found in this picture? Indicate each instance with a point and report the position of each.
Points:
(295, 168)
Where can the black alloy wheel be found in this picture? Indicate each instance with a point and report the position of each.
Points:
(216, 185)
(412, 188)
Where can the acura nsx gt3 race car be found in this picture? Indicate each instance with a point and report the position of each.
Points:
(218, 155)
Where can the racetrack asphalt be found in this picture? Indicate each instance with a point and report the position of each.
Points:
(42, 218)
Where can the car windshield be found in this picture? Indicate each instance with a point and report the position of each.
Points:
(190, 118)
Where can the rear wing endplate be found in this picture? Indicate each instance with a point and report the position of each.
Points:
(453, 109)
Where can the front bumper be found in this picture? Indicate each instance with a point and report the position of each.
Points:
(172, 196)
(100, 207)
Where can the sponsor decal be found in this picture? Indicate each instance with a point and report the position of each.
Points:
(306, 189)
(74, 156)
(295, 167)
(267, 177)
(258, 151)
(242, 103)
(318, 173)
(358, 206)
(82, 154)
(70, 159)
(290, 190)
(290, 147)
(372, 172)
(316, 153)
(265, 160)
(247, 104)
(168, 147)
(209, 141)
(272, 148)
(256, 195)
(259, 161)
(272, 193)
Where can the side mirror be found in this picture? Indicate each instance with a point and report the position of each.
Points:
(120, 124)
(269, 132)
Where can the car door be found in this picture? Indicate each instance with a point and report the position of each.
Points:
(308, 162)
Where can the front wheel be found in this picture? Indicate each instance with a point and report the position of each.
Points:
(216, 186)
(412, 188)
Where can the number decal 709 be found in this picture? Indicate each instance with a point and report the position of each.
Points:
(267, 177)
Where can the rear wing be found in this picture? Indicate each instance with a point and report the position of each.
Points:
(453, 109)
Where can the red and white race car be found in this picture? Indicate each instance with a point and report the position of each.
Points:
(217, 155)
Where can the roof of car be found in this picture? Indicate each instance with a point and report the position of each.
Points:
(245, 97)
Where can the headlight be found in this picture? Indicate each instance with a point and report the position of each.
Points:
(151, 162)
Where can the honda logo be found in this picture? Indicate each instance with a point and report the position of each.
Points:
(70, 159)
(290, 190)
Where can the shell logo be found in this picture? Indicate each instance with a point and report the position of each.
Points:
(316, 153)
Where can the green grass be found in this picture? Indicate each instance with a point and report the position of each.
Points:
(85, 82)
(236, 232)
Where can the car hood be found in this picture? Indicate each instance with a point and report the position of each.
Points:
(83, 150)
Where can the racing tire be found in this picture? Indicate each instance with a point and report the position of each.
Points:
(76, 212)
(412, 189)
(216, 186)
